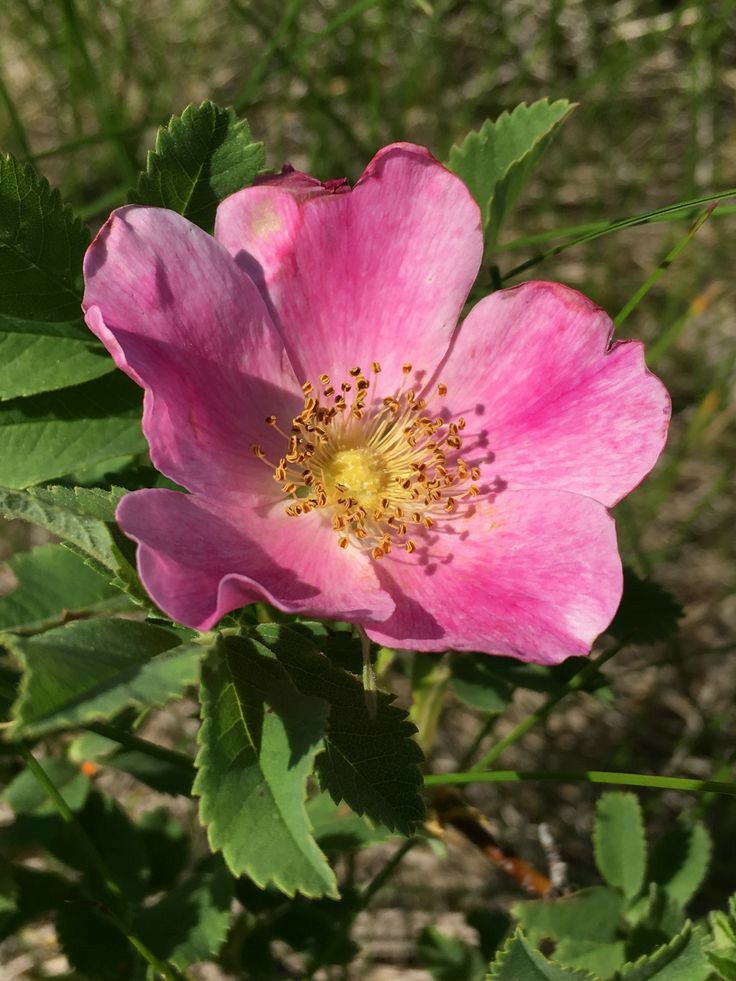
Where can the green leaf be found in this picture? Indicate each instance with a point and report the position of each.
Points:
(647, 614)
(118, 843)
(41, 247)
(682, 958)
(167, 846)
(601, 959)
(91, 669)
(721, 950)
(47, 436)
(93, 946)
(39, 357)
(258, 740)
(591, 914)
(370, 763)
(200, 158)
(519, 961)
(337, 828)
(680, 860)
(190, 923)
(478, 683)
(448, 959)
(655, 917)
(53, 583)
(84, 519)
(619, 842)
(496, 161)
(25, 795)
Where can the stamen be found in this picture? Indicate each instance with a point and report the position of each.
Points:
(377, 464)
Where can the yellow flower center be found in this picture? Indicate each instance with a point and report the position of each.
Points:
(377, 465)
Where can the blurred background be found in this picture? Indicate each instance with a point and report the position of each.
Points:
(83, 86)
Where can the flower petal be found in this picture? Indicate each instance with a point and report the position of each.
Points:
(547, 402)
(379, 273)
(532, 574)
(180, 317)
(198, 560)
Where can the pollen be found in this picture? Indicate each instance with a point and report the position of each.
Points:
(383, 467)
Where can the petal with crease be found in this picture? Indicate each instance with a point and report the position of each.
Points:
(532, 574)
(379, 273)
(187, 324)
(199, 560)
(548, 403)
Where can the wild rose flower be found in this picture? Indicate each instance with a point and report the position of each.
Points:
(349, 451)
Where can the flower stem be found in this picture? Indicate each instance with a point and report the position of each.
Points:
(141, 745)
(370, 685)
(539, 715)
(587, 776)
(95, 860)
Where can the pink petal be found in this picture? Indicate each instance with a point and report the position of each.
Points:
(547, 402)
(198, 560)
(187, 324)
(534, 574)
(379, 273)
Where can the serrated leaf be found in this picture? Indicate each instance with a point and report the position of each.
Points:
(258, 741)
(92, 944)
(84, 519)
(200, 158)
(117, 841)
(337, 828)
(496, 161)
(26, 796)
(591, 914)
(167, 846)
(647, 613)
(653, 915)
(47, 436)
(682, 958)
(448, 959)
(619, 842)
(189, 923)
(477, 683)
(680, 860)
(41, 247)
(40, 357)
(52, 584)
(601, 959)
(721, 948)
(92, 669)
(370, 763)
(519, 961)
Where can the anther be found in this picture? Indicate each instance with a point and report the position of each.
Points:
(442, 390)
(406, 368)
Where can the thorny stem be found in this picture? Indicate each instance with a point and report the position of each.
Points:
(539, 715)
(95, 860)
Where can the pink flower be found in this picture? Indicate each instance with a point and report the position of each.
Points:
(349, 451)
